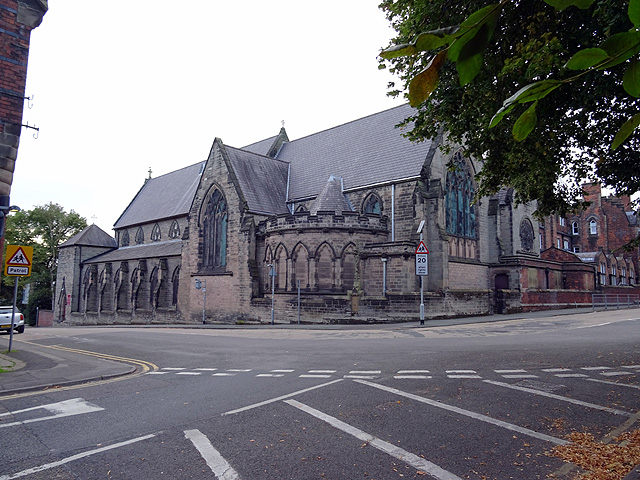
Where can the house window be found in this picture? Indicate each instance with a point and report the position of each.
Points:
(558, 243)
(603, 274)
(623, 275)
(372, 205)
(460, 193)
(593, 227)
(631, 277)
(562, 222)
(576, 249)
(215, 232)
(566, 244)
(574, 228)
(614, 273)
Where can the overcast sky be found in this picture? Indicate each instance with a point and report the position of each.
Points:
(123, 86)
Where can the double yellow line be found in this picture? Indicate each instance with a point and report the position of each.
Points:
(142, 367)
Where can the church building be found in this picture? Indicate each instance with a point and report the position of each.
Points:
(322, 228)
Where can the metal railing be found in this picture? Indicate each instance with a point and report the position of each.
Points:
(609, 300)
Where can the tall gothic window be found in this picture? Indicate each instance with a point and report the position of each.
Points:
(140, 236)
(156, 234)
(174, 230)
(125, 239)
(215, 232)
(460, 210)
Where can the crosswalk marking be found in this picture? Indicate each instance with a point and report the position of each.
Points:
(66, 408)
(216, 462)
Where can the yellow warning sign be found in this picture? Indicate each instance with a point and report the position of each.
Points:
(18, 261)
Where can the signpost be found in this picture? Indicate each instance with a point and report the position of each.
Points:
(422, 268)
(17, 264)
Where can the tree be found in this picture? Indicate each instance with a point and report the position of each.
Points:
(44, 228)
(572, 68)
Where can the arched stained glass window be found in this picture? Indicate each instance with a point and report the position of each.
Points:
(140, 236)
(373, 205)
(460, 192)
(215, 231)
(156, 233)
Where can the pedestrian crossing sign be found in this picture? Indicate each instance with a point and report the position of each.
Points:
(18, 260)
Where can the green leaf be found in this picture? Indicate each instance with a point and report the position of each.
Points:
(533, 91)
(435, 38)
(621, 47)
(587, 58)
(525, 123)
(634, 12)
(471, 55)
(631, 79)
(625, 131)
(470, 27)
(404, 50)
(497, 118)
(562, 4)
(468, 68)
(426, 81)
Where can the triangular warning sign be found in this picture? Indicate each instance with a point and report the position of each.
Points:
(19, 258)
(422, 248)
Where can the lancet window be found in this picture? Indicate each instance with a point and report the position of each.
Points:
(215, 232)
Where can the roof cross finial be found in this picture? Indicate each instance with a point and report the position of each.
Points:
(282, 123)
(149, 173)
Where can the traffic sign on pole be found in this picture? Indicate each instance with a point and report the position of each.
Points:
(18, 261)
(422, 263)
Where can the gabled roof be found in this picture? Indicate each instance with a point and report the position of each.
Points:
(263, 180)
(166, 196)
(92, 236)
(363, 152)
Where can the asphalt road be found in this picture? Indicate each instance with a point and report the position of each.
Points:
(481, 401)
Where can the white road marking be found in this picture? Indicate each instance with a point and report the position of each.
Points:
(216, 462)
(595, 368)
(238, 369)
(222, 374)
(460, 371)
(271, 375)
(282, 371)
(67, 408)
(206, 369)
(409, 458)
(613, 383)
(520, 376)
(598, 325)
(518, 370)
(630, 366)
(412, 372)
(277, 399)
(365, 372)
(615, 374)
(468, 413)
(363, 377)
(556, 370)
(560, 397)
(188, 373)
(463, 376)
(571, 375)
(173, 368)
(78, 456)
(322, 371)
(417, 377)
(314, 376)
(156, 373)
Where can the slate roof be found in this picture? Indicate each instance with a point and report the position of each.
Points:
(92, 236)
(166, 196)
(263, 180)
(331, 199)
(587, 257)
(363, 152)
(148, 250)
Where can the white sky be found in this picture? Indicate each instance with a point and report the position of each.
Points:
(126, 85)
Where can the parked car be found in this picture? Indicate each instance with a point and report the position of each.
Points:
(5, 320)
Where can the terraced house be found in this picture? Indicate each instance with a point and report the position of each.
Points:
(329, 224)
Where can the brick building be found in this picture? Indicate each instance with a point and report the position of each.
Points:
(335, 216)
(17, 19)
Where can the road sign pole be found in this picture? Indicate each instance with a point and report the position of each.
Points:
(13, 311)
(421, 292)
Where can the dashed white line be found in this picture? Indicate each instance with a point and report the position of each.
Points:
(409, 458)
(521, 376)
(412, 372)
(415, 377)
(615, 374)
(206, 369)
(272, 375)
(282, 371)
(628, 385)
(462, 374)
(223, 374)
(365, 372)
(314, 376)
(571, 375)
(216, 462)
(322, 371)
(188, 373)
(518, 370)
(239, 370)
(595, 368)
(556, 370)
(173, 368)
